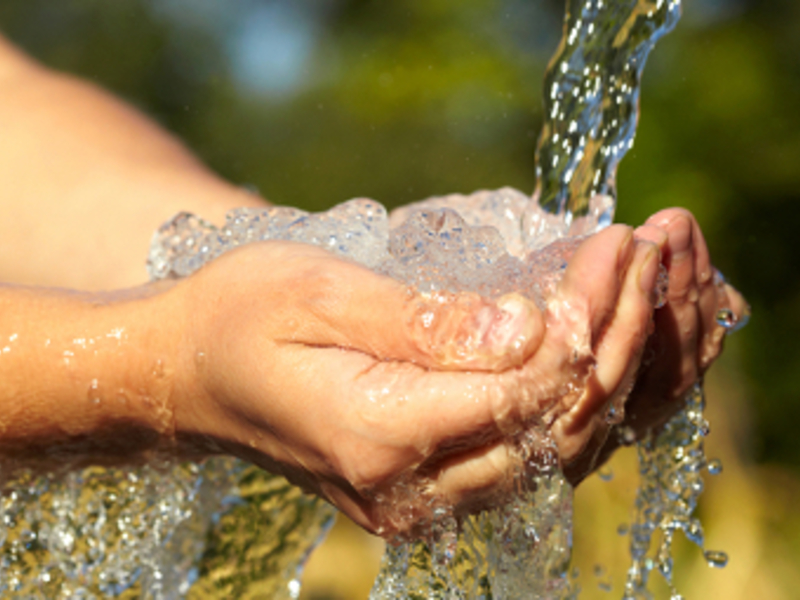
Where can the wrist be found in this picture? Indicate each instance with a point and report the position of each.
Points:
(87, 378)
(220, 402)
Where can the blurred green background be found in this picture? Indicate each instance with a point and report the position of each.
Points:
(312, 102)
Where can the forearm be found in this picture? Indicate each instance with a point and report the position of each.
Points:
(86, 375)
(85, 180)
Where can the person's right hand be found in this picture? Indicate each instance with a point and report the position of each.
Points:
(347, 382)
(686, 336)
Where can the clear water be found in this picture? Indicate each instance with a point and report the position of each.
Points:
(226, 529)
(591, 100)
(518, 550)
(671, 467)
(223, 528)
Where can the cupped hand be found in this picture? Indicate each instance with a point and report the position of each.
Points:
(348, 382)
(688, 335)
(687, 332)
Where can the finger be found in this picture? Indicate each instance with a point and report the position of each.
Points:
(621, 346)
(464, 331)
(355, 506)
(471, 478)
(342, 304)
(739, 306)
(659, 237)
(724, 311)
(382, 418)
(619, 351)
(683, 294)
(586, 296)
(702, 258)
(711, 332)
(680, 255)
(583, 303)
(653, 234)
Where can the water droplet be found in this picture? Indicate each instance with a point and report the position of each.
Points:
(716, 559)
(605, 473)
(615, 413)
(27, 536)
(627, 436)
(726, 318)
(623, 529)
(158, 369)
(94, 392)
(704, 428)
(715, 467)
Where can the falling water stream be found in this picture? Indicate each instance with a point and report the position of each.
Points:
(227, 529)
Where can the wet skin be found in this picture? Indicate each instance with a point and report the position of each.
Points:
(319, 369)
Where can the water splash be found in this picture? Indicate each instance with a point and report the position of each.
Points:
(671, 466)
(518, 550)
(100, 531)
(143, 532)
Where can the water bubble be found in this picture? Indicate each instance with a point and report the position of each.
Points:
(716, 559)
(605, 473)
(623, 529)
(715, 466)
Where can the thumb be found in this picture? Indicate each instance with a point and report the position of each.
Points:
(349, 306)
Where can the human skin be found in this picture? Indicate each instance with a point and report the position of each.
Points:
(282, 354)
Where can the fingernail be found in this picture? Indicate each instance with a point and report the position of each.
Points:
(651, 233)
(509, 324)
(648, 274)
